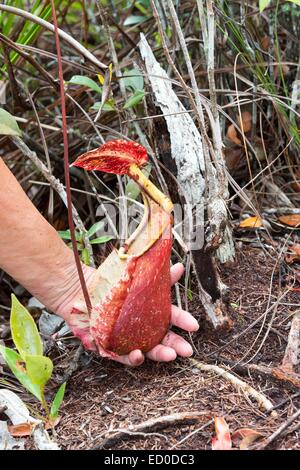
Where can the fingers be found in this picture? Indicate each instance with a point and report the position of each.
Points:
(176, 342)
(161, 353)
(183, 319)
(176, 272)
(134, 358)
(171, 346)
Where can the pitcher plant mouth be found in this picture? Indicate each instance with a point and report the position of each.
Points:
(131, 289)
(112, 158)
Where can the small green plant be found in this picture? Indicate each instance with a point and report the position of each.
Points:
(29, 365)
(66, 235)
(133, 81)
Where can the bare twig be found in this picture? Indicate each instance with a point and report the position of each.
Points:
(153, 424)
(261, 399)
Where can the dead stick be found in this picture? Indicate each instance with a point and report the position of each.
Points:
(153, 424)
(261, 399)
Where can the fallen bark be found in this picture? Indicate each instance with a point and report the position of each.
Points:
(186, 160)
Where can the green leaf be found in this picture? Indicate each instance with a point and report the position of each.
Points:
(134, 99)
(133, 79)
(142, 8)
(14, 362)
(297, 2)
(39, 369)
(85, 81)
(263, 4)
(66, 235)
(109, 105)
(8, 124)
(94, 228)
(85, 256)
(103, 239)
(58, 400)
(24, 330)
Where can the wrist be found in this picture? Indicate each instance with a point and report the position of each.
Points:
(68, 288)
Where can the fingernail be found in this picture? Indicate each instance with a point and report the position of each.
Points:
(195, 324)
(188, 350)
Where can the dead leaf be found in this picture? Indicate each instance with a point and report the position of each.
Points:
(251, 222)
(293, 220)
(222, 441)
(295, 255)
(245, 125)
(244, 437)
(21, 430)
(246, 121)
(232, 135)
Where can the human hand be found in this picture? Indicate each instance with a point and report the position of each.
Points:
(172, 345)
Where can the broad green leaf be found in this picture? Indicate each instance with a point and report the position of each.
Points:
(99, 240)
(66, 235)
(85, 256)
(85, 81)
(14, 362)
(133, 79)
(134, 99)
(263, 4)
(58, 400)
(39, 369)
(24, 330)
(8, 124)
(94, 228)
(297, 2)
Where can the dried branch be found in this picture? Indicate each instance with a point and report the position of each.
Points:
(153, 424)
(249, 391)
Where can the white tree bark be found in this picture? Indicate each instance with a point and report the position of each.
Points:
(187, 152)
